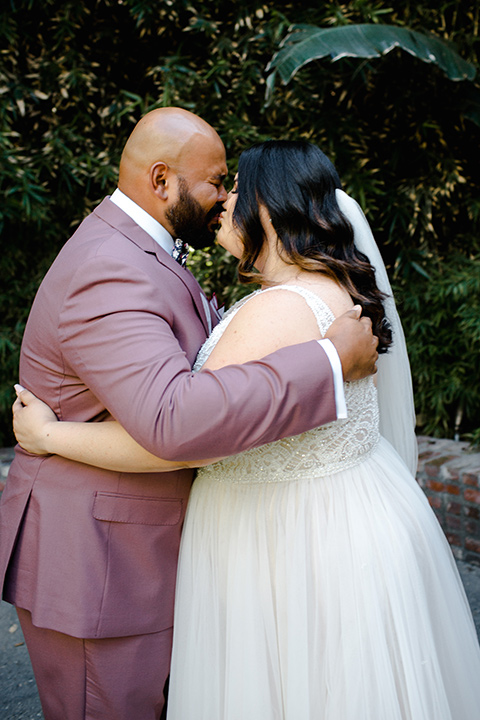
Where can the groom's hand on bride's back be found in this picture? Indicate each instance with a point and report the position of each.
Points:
(355, 343)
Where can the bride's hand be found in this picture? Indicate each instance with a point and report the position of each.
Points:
(32, 419)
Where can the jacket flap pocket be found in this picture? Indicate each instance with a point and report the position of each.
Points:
(137, 510)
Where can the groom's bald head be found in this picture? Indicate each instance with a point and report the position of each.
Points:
(166, 134)
(168, 151)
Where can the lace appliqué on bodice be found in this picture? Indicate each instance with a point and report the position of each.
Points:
(319, 452)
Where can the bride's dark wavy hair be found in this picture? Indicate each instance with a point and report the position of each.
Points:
(295, 182)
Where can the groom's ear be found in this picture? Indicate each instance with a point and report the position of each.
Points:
(159, 179)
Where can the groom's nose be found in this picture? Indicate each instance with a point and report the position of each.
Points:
(222, 195)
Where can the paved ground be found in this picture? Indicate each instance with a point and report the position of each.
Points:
(18, 692)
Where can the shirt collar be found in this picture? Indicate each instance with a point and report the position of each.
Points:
(144, 220)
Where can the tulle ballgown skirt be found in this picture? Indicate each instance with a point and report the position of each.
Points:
(334, 598)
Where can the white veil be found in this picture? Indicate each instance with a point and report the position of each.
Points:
(394, 380)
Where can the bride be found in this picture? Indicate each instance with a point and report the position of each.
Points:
(314, 580)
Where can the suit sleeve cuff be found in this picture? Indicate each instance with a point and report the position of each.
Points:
(334, 359)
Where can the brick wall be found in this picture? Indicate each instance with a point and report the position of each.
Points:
(450, 476)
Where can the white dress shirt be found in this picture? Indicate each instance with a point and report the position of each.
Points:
(144, 220)
(332, 354)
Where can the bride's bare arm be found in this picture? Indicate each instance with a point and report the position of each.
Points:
(101, 444)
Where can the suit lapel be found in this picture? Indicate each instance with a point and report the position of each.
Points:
(114, 216)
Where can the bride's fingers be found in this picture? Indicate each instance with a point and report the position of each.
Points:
(24, 395)
(30, 413)
(17, 405)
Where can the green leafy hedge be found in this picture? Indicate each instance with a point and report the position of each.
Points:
(75, 77)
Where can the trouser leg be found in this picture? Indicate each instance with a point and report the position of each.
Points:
(104, 679)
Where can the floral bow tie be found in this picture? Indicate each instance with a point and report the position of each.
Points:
(180, 252)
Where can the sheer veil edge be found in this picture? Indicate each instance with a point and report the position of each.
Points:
(394, 380)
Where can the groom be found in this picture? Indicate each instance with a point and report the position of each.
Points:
(88, 556)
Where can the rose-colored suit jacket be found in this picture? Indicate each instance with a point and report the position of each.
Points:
(116, 325)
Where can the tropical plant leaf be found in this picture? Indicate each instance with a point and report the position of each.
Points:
(305, 43)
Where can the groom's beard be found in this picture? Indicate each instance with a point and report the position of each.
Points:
(189, 221)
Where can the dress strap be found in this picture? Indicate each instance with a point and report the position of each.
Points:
(323, 315)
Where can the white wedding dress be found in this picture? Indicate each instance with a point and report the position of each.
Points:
(315, 582)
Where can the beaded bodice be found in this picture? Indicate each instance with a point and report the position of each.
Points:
(322, 451)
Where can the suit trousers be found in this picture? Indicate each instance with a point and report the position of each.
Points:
(98, 679)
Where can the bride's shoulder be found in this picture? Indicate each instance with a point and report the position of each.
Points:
(278, 304)
(322, 295)
(263, 323)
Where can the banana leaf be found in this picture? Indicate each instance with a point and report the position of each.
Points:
(305, 43)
